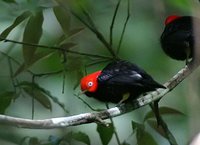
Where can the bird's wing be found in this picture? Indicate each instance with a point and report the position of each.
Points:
(131, 78)
(121, 73)
(127, 74)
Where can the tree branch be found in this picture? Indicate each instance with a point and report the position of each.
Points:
(113, 21)
(93, 117)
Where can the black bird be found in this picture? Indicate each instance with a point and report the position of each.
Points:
(177, 39)
(120, 81)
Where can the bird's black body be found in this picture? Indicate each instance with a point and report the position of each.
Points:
(177, 39)
(122, 77)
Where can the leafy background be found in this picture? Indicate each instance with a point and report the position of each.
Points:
(41, 83)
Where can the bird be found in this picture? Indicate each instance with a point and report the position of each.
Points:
(119, 82)
(178, 40)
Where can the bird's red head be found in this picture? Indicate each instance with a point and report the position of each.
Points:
(171, 18)
(89, 83)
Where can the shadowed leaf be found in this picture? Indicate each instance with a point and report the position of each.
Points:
(75, 31)
(125, 143)
(74, 63)
(22, 68)
(39, 96)
(35, 91)
(34, 141)
(79, 75)
(46, 93)
(32, 34)
(105, 133)
(68, 45)
(144, 138)
(5, 100)
(63, 18)
(158, 129)
(135, 125)
(38, 56)
(17, 21)
(163, 111)
(9, 1)
(54, 140)
(82, 137)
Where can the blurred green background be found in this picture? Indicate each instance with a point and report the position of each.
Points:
(140, 45)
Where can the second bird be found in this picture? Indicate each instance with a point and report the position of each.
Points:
(177, 39)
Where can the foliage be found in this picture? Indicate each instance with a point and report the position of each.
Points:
(46, 46)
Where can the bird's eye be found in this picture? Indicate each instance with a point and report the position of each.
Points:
(90, 84)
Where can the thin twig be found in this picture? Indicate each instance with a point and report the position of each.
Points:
(92, 27)
(113, 22)
(164, 126)
(11, 73)
(33, 97)
(14, 60)
(124, 28)
(48, 73)
(115, 132)
(168, 133)
(91, 22)
(63, 82)
(96, 62)
(56, 48)
(88, 105)
(98, 34)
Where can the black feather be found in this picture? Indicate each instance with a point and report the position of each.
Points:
(121, 77)
(177, 39)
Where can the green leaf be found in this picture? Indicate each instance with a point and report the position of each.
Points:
(105, 133)
(45, 92)
(46, 3)
(65, 38)
(22, 141)
(64, 43)
(32, 34)
(135, 125)
(67, 45)
(153, 124)
(37, 57)
(125, 143)
(39, 96)
(63, 18)
(34, 141)
(144, 138)
(5, 100)
(17, 21)
(82, 137)
(9, 1)
(33, 90)
(55, 140)
(21, 69)
(79, 75)
(163, 111)
(181, 4)
(75, 31)
(74, 63)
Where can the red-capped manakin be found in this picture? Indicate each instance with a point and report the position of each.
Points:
(178, 38)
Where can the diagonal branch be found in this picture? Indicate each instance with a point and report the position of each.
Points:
(97, 33)
(56, 48)
(95, 116)
(113, 21)
(124, 28)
